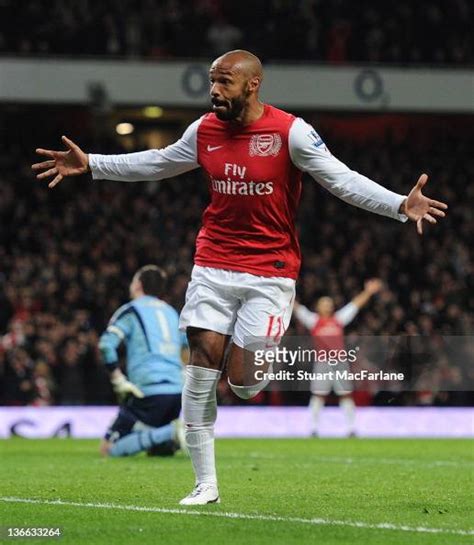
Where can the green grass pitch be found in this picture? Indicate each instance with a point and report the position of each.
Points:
(322, 491)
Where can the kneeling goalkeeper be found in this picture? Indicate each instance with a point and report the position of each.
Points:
(150, 394)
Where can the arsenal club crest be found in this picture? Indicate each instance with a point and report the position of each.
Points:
(265, 145)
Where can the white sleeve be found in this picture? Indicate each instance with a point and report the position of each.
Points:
(306, 317)
(309, 153)
(346, 314)
(154, 164)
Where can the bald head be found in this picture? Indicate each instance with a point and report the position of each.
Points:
(235, 82)
(241, 61)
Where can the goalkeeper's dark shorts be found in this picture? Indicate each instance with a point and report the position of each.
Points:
(154, 411)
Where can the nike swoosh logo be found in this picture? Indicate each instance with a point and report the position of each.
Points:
(213, 148)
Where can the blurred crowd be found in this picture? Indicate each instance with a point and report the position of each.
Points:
(67, 256)
(339, 31)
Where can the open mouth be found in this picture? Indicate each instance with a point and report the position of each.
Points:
(218, 104)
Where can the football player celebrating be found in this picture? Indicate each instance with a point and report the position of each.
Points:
(247, 253)
(327, 330)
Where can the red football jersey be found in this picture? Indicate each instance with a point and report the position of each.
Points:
(328, 334)
(255, 184)
(255, 189)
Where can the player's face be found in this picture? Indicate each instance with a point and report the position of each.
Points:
(325, 306)
(229, 92)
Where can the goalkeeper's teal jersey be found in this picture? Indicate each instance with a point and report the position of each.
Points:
(149, 329)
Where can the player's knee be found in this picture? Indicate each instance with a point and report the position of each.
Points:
(242, 377)
(245, 392)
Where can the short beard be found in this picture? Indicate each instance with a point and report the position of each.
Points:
(237, 106)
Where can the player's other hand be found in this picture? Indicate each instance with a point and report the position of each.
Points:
(123, 387)
(418, 207)
(60, 164)
(373, 286)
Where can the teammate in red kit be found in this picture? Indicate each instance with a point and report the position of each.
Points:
(247, 254)
(327, 329)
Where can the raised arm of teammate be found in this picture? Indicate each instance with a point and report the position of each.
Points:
(348, 312)
(310, 154)
(305, 316)
(155, 164)
(371, 287)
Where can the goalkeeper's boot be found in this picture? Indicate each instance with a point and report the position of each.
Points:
(202, 494)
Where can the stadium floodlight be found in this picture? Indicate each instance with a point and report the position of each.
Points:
(153, 112)
(124, 129)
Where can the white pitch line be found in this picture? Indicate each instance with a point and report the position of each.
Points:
(363, 460)
(247, 516)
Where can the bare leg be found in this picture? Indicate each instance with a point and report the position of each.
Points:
(241, 372)
(207, 348)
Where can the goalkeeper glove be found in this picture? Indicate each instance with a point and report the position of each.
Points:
(122, 387)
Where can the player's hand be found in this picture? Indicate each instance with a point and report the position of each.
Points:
(418, 207)
(123, 387)
(373, 286)
(104, 448)
(60, 164)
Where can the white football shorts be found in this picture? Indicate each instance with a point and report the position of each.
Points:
(254, 310)
(330, 381)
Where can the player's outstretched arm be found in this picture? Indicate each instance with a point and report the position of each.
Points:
(304, 315)
(61, 164)
(417, 207)
(153, 164)
(371, 287)
(348, 312)
(309, 153)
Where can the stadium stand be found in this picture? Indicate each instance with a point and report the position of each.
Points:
(309, 30)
